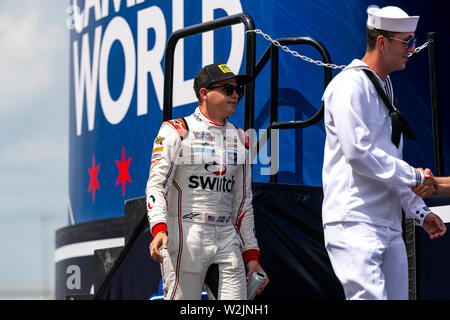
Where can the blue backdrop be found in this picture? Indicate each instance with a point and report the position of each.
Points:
(111, 138)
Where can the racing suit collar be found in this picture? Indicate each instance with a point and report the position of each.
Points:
(208, 120)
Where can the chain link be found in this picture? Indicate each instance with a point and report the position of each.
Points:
(418, 49)
(318, 62)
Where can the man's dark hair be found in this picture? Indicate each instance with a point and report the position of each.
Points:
(372, 35)
(201, 77)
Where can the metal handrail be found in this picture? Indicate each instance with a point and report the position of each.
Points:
(272, 53)
(250, 53)
(274, 56)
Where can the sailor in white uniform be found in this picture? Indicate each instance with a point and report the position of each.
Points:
(365, 181)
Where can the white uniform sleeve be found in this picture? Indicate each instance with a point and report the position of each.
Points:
(348, 108)
(413, 205)
(242, 213)
(164, 155)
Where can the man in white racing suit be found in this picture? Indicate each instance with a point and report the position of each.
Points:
(199, 196)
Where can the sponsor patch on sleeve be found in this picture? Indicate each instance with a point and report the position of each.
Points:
(179, 125)
(159, 140)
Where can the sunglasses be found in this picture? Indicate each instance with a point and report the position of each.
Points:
(409, 43)
(229, 89)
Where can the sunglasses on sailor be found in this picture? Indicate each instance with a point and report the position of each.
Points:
(409, 43)
(229, 89)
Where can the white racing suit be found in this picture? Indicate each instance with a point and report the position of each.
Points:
(199, 191)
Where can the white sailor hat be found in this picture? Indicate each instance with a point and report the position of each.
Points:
(391, 19)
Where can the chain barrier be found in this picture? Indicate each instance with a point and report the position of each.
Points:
(418, 49)
(318, 62)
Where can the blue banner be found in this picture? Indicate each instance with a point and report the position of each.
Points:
(116, 84)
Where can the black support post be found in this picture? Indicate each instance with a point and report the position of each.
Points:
(435, 104)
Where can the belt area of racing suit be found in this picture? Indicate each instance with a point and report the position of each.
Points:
(207, 218)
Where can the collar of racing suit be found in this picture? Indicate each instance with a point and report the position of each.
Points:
(207, 120)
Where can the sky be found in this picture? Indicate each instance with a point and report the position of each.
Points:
(34, 84)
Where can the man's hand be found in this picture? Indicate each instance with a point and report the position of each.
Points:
(252, 266)
(434, 226)
(428, 187)
(160, 239)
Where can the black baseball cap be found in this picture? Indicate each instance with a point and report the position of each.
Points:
(216, 72)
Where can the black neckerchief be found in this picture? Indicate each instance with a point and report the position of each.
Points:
(399, 123)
